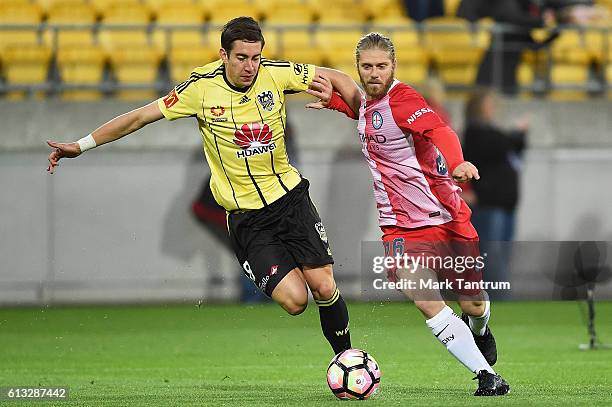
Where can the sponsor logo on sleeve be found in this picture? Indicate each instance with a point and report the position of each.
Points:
(418, 114)
(305, 76)
(298, 68)
(170, 99)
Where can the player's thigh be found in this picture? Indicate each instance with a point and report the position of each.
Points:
(320, 279)
(291, 292)
(302, 231)
(263, 257)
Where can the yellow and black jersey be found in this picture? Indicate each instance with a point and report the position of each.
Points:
(243, 130)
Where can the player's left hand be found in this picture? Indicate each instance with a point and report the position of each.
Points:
(61, 150)
(465, 171)
(322, 89)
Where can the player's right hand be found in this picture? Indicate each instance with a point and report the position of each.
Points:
(465, 172)
(322, 89)
(61, 150)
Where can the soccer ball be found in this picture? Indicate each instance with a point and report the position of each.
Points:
(353, 374)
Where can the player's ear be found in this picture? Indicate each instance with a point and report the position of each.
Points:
(223, 55)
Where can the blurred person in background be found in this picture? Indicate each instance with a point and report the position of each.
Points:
(419, 10)
(520, 17)
(497, 153)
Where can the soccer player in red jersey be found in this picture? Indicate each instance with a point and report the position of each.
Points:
(414, 156)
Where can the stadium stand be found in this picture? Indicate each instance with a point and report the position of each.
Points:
(164, 32)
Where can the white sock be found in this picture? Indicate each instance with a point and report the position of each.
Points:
(478, 325)
(456, 336)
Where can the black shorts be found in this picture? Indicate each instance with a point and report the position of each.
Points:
(272, 241)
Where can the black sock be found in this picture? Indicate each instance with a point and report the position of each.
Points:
(335, 322)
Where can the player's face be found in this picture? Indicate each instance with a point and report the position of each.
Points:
(376, 71)
(242, 62)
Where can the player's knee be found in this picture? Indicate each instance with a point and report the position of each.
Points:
(473, 308)
(295, 306)
(324, 290)
(429, 308)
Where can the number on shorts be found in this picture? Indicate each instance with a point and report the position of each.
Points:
(398, 246)
(247, 270)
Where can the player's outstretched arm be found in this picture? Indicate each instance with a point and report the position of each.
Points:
(343, 84)
(113, 130)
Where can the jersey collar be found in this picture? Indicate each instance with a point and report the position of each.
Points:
(236, 88)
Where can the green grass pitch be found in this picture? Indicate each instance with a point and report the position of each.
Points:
(239, 355)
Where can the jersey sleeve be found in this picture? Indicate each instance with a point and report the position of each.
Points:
(291, 77)
(185, 100)
(412, 113)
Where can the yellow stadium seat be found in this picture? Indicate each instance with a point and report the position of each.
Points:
(458, 75)
(300, 46)
(447, 32)
(191, 14)
(412, 74)
(525, 74)
(287, 13)
(338, 45)
(102, 6)
(566, 74)
(26, 36)
(220, 12)
(412, 64)
(334, 13)
(20, 14)
(569, 48)
(391, 12)
(454, 49)
(595, 41)
(82, 65)
(273, 43)
(13, 3)
(565, 79)
(70, 38)
(411, 56)
(126, 14)
(135, 65)
(349, 68)
(112, 39)
(183, 60)
(74, 11)
(26, 65)
(169, 39)
(406, 38)
(160, 7)
(450, 7)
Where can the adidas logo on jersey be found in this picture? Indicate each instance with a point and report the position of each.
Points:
(245, 99)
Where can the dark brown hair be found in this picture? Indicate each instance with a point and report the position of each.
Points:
(473, 106)
(240, 28)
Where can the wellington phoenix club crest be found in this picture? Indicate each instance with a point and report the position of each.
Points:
(266, 100)
(254, 139)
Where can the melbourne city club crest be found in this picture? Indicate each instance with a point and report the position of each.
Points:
(266, 100)
(377, 120)
(253, 139)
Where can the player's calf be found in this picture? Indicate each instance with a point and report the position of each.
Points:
(332, 308)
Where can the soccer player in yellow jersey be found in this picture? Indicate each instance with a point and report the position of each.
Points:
(274, 228)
